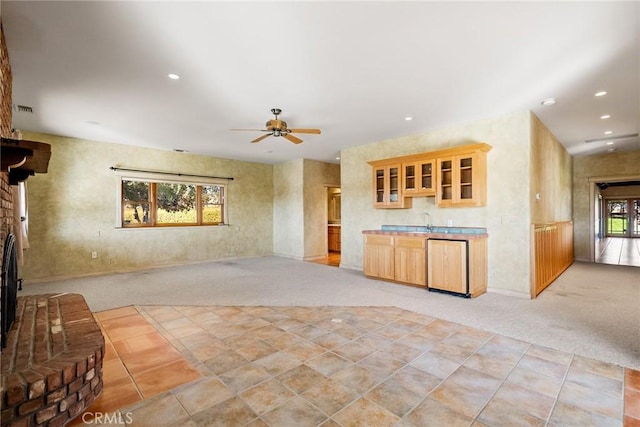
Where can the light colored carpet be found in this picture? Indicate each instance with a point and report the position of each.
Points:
(592, 309)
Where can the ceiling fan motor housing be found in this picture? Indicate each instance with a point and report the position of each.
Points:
(279, 125)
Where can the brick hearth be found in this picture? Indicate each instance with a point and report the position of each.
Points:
(52, 365)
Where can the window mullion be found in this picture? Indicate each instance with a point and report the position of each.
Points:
(153, 203)
(199, 205)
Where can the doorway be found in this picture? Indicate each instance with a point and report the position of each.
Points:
(622, 218)
(333, 227)
(617, 220)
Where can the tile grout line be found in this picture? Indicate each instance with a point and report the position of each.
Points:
(557, 398)
(129, 374)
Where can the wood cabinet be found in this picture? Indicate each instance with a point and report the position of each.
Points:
(378, 257)
(410, 261)
(456, 176)
(334, 238)
(462, 180)
(397, 258)
(419, 178)
(457, 266)
(387, 179)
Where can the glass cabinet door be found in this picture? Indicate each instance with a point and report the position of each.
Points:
(465, 167)
(380, 186)
(394, 184)
(426, 177)
(446, 179)
(410, 178)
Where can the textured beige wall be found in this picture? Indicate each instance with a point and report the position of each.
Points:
(550, 176)
(598, 166)
(299, 206)
(317, 176)
(72, 212)
(507, 215)
(288, 214)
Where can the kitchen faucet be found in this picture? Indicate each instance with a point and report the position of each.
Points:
(428, 215)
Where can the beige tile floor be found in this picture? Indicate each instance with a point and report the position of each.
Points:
(346, 366)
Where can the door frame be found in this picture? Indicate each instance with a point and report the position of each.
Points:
(630, 216)
(592, 198)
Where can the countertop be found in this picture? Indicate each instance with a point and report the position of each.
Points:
(434, 232)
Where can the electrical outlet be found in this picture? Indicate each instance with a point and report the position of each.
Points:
(94, 255)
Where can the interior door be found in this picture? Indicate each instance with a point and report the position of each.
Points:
(617, 218)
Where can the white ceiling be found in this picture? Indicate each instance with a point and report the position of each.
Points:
(98, 70)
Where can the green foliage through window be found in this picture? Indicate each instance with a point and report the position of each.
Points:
(149, 204)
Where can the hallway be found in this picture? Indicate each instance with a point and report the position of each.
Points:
(618, 251)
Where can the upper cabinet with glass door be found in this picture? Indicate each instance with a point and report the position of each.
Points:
(387, 180)
(419, 178)
(462, 179)
(456, 176)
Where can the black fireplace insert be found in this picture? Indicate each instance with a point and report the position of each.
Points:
(10, 282)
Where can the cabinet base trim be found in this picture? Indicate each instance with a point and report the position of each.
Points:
(442, 291)
(395, 282)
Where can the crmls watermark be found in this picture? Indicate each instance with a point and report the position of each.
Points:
(114, 418)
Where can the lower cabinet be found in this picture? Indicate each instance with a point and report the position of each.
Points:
(457, 266)
(449, 265)
(333, 238)
(410, 260)
(402, 259)
(378, 257)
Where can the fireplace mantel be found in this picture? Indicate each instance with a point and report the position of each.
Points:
(23, 158)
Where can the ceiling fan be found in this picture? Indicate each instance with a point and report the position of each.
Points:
(277, 127)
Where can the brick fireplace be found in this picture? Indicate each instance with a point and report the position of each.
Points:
(51, 367)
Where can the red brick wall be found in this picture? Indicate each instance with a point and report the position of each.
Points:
(5, 88)
(6, 202)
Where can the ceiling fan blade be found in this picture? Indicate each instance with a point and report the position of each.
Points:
(261, 138)
(316, 131)
(292, 138)
(256, 130)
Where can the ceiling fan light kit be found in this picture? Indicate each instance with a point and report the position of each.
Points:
(276, 127)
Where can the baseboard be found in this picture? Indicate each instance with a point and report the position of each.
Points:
(314, 257)
(509, 293)
(289, 256)
(27, 281)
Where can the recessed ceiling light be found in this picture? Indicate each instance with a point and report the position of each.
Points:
(408, 118)
(609, 132)
(610, 142)
(337, 158)
(549, 101)
(601, 93)
(605, 116)
(173, 76)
